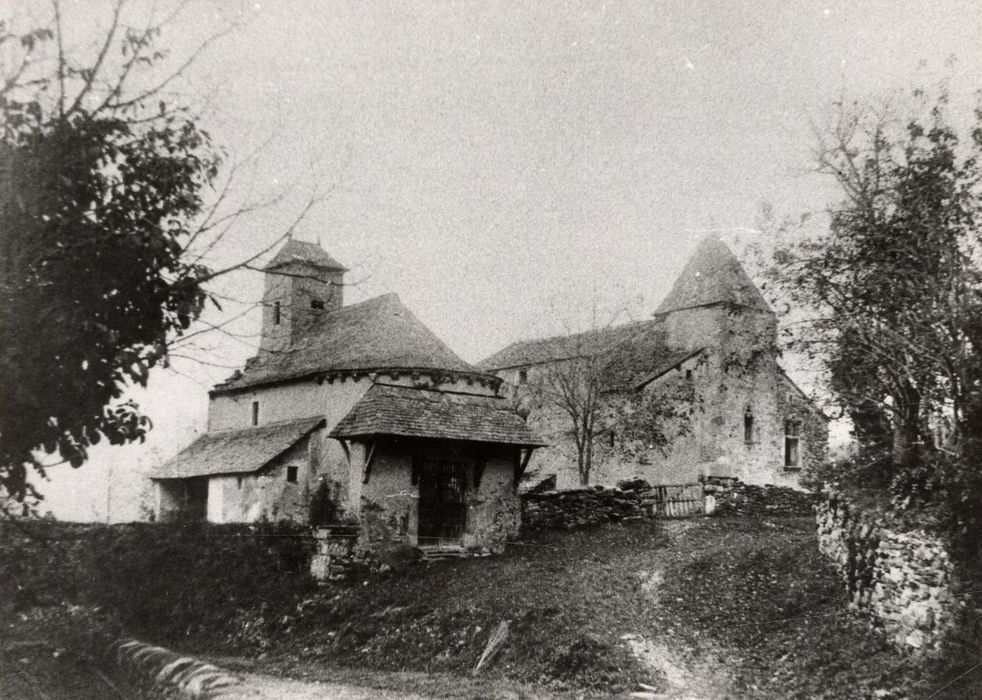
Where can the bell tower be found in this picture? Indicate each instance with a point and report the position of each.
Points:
(303, 284)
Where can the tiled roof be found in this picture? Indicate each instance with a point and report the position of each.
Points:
(632, 355)
(712, 275)
(376, 334)
(302, 251)
(641, 361)
(563, 347)
(235, 451)
(386, 409)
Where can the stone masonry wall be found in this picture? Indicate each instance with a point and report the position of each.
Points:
(636, 499)
(903, 579)
(733, 497)
(573, 508)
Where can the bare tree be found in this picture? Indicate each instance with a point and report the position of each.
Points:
(575, 378)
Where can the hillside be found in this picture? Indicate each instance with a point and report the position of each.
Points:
(704, 607)
(713, 607)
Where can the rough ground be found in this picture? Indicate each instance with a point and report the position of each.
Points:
(700, 608)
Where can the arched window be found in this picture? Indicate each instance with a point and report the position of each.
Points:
(276, 313)
(748, 426)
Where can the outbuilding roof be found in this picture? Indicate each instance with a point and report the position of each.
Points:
(402, 411)
(377, 334)
(236, 451)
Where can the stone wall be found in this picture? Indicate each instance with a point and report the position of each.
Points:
(904, 580)
(731, 496)
(573, 508)
(636, 499)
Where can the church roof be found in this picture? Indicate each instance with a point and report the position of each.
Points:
(403, 411)
(376, 334)
(304, 252)
(713, 275)
(632, 355)
(236, 451)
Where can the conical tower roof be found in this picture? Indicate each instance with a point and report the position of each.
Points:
(713, 275)
(306, 252)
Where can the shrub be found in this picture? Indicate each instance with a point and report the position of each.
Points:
(170, 580)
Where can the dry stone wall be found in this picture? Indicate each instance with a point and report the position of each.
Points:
(636, 499)
(905, 580)
(573, 508)
(733, 497)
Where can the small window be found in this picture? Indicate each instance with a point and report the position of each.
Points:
(748, 427)
(792, 429)
(613, 437)
(688, 374)
(238, 482)
(523, 376)
(317, 304)
(255, 413)
(276, 313)
(291, 474)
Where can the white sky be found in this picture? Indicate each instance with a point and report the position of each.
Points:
(498, 158)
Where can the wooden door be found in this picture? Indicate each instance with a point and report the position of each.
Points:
(442, 504)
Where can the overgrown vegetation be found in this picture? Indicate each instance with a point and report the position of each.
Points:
(167, 581)
(891, 301)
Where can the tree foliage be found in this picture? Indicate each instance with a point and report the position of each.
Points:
(893, 287)
(101, 177)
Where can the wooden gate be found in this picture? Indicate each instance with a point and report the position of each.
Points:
(676, 501)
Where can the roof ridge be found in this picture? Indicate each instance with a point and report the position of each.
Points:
(563, 343)
(565, 336)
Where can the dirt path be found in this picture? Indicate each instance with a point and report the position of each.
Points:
(269, 688)
(307, 681)
(688, 677)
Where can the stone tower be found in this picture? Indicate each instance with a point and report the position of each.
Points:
(715, 304)
(303, 283)
(714, 300)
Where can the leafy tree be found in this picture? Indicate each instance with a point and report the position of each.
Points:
(894, 285)
(105, 175)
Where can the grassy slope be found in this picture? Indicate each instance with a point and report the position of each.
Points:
(747, 606)
(568, 598)
(748, 600)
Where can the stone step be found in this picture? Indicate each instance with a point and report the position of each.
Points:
(440, 551)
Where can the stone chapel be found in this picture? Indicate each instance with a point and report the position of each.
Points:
(695, 391)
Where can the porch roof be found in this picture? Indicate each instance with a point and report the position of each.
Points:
(236, 451)
(402, 411)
